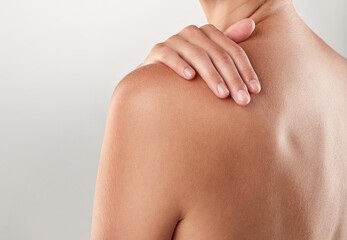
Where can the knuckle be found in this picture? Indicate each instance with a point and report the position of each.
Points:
(163, 56)
(162, 52)
(191, 29)
(173, 38)
(158, 46)
(237, 50)
(197, 52)
(208, 27)
(222, 56)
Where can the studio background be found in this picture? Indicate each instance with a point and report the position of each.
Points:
(59, 64)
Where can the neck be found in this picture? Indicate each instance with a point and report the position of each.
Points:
(223, 13)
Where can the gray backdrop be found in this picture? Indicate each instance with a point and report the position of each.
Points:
(59, 63)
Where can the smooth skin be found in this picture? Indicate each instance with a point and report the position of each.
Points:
(179, 163)
(215, 55)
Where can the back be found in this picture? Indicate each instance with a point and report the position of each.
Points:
(179, 163)
(275, 169)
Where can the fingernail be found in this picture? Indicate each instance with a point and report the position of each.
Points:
(188, 72)
(222, 89)
(255, 86)
(242, 96)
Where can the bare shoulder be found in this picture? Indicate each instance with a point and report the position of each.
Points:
(158, 89)
(181, 109)
(157, 85)
(185, 124)
(161, 100)
(187, 154)
(140, 188)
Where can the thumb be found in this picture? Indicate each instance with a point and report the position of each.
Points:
(241, 30)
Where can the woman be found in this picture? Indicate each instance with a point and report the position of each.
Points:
(179, 163)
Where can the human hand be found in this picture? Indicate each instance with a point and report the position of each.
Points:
(215, 56)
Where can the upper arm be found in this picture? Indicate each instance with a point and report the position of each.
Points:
(138, 188)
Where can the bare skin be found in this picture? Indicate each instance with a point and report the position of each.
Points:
(216, 57)
(179, 163)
